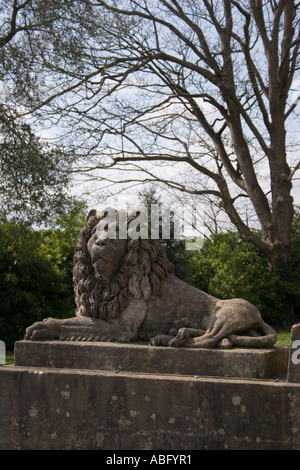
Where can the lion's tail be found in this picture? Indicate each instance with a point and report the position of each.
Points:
(267, 340)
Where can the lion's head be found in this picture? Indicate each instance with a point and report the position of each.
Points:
(109, 271)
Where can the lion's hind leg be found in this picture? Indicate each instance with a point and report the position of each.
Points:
(215, 336)
(220, 335)
(266, 337)
(183, 335)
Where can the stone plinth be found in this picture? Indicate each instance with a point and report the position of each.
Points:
(141, 358)
(78, 396)
(64, 409)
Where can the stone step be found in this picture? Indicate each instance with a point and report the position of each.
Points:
(142, 358)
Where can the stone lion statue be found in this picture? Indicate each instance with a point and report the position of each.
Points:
(126, 290)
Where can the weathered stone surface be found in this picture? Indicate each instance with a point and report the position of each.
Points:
(71, 409)
(294, 356)
(247, 363)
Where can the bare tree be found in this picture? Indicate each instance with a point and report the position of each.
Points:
(203, 86)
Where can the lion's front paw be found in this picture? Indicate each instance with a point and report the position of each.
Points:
(180, 338)
(46, 329)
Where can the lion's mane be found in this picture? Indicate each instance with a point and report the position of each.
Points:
(140, 274)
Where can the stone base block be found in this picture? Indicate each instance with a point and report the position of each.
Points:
(243, 363)
(61, 409)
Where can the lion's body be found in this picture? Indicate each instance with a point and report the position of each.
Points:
(178, 300)
(182, 305)
(144, 300)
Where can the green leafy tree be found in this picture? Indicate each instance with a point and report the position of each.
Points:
(34, 175)
(57, 246)
(36, 273)
(28, 282)
(229, 267)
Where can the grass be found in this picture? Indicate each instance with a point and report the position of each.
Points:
(284, 337)
(10, 357)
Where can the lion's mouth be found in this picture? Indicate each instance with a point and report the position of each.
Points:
(100, 272)
(98, 266)
(96, 254)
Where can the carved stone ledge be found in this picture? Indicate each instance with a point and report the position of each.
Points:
(142, 358)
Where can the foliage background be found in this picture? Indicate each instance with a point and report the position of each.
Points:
(36, 273)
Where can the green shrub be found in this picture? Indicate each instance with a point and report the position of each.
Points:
(228, 267)
(36, 274)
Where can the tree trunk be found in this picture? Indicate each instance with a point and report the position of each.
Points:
(282, 268)
(279, 257)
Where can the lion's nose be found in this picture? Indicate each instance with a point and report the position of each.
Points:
(101, 241)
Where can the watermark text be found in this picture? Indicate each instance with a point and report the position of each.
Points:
(157, 222)
(295, 357)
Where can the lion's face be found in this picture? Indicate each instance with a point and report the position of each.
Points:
(106, 255)
(109, 271)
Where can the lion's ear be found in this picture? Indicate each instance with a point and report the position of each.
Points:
(92, 213)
